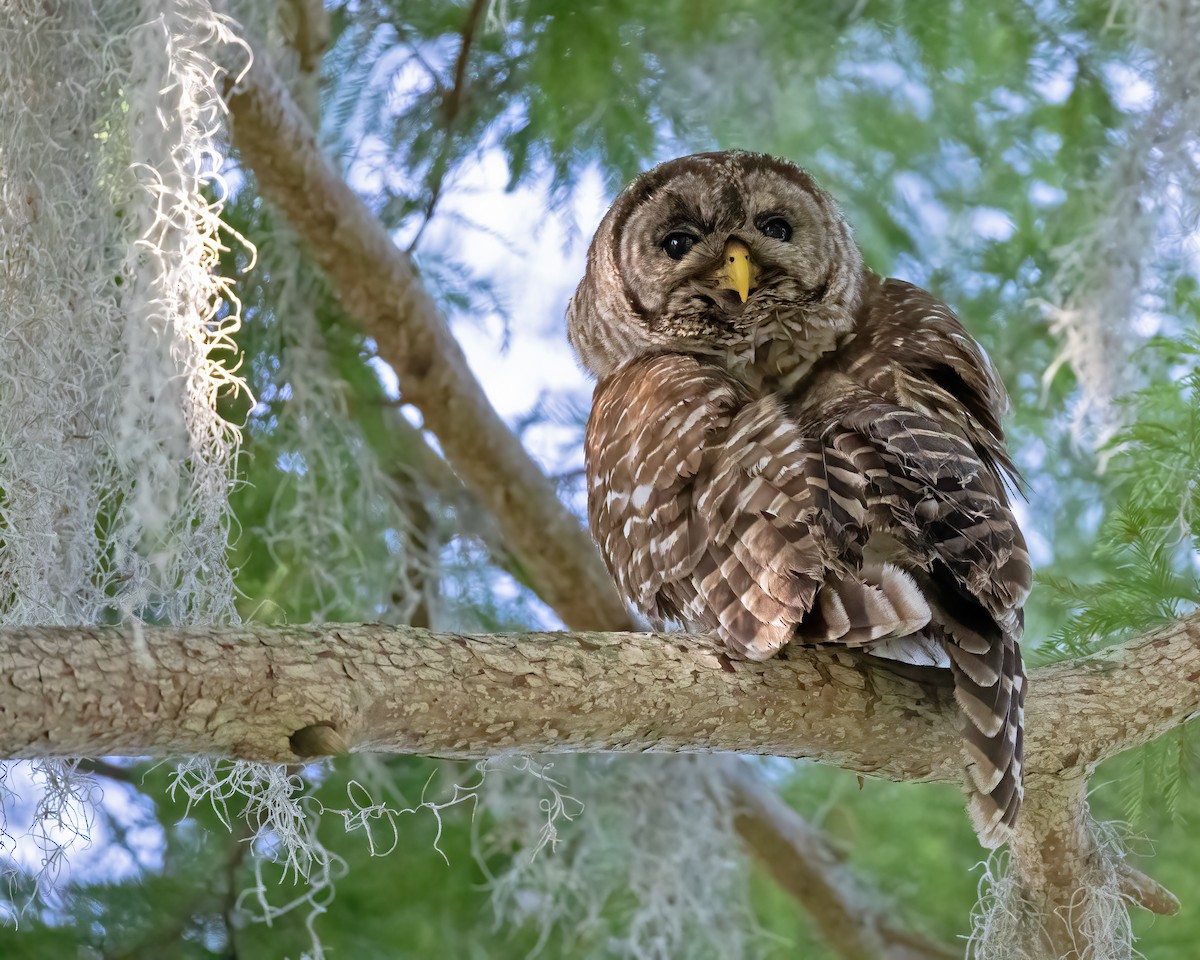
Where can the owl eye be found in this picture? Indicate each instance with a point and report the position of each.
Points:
(777, 229)
(676, 245)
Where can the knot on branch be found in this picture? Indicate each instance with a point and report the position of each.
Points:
(318, 740)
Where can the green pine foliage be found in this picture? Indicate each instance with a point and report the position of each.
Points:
(1148, 544)
(1146, 556)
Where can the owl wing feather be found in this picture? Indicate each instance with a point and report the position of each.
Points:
(710, 506)
(649, 426)
(924, 397)
(784, 512)
(970, 562)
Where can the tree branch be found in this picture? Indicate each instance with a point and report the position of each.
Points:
(244, 691)
(1157, 678)
(258, 691)
(265, 692)
(452, 102)
(415, 457)
(854, 922)
(380, 288)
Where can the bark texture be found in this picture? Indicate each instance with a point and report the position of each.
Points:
(244, 691)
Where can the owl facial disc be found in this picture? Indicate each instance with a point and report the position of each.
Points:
(735, 256)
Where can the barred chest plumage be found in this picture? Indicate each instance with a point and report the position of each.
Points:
(780, 354)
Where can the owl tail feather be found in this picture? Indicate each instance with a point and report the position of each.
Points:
(989, 686)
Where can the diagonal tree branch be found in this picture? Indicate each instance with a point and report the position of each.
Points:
(854, 921)
(452, 102)
(380, 288)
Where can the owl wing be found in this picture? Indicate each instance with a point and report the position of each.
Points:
(721, 510)
(922, 409)
(950, 519)
(649, 427)
(711, 507)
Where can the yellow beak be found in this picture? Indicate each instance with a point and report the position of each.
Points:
(737, 271)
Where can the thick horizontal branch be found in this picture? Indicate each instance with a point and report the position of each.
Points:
(381, 289)
(244, 691)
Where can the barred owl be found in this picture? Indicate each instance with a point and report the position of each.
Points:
(784, 446)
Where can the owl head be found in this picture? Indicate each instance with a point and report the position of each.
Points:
(717, 254)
